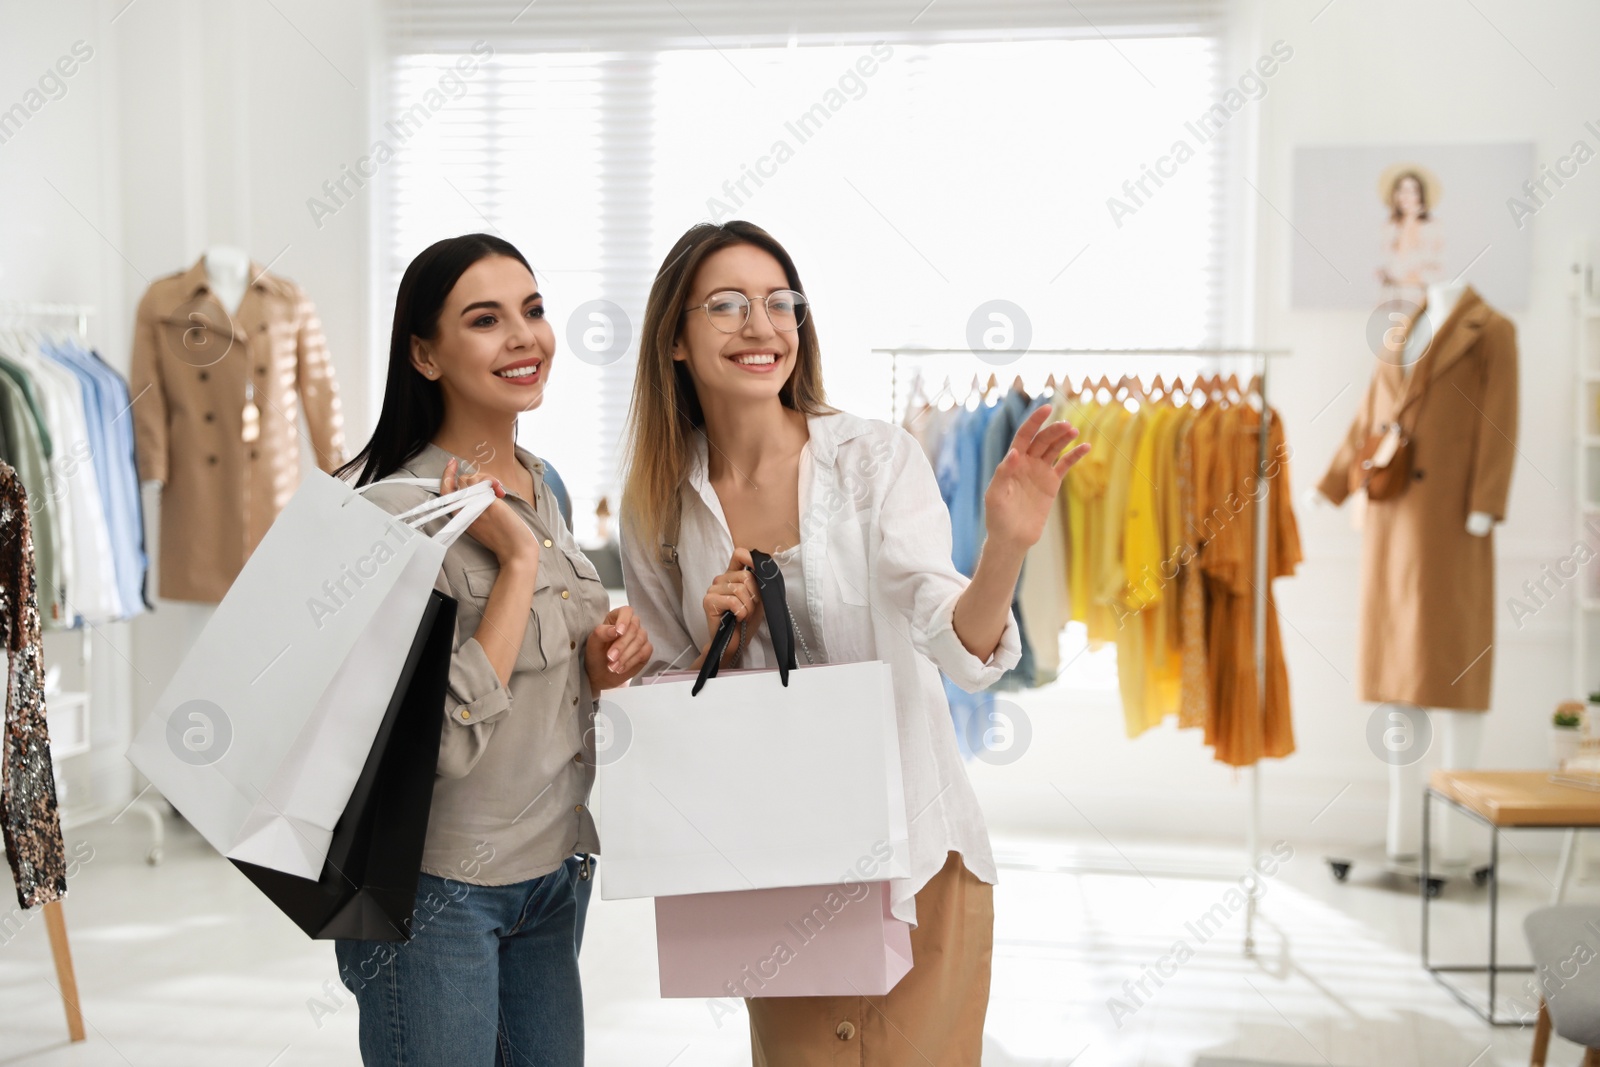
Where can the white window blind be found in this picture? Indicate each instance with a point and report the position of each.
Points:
(915, 170)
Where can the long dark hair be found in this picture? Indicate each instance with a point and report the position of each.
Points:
(413, 406)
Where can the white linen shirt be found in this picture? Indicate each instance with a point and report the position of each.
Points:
(879, 585)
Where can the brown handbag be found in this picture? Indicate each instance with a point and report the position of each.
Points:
(1391, 479)
(1388, 481)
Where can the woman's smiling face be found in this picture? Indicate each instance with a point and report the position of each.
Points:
(494, 346)
(754, 361)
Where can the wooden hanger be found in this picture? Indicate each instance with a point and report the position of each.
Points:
(1233, 392)
(913, 410)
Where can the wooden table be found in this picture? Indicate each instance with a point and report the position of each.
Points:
(1500, 800)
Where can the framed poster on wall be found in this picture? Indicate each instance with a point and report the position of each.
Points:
(1380, 222)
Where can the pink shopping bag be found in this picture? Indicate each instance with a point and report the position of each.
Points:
(800, 941)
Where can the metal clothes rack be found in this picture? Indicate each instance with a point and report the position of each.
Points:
(1260, 358)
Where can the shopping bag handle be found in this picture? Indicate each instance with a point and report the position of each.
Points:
(774, 604)
(467, 504)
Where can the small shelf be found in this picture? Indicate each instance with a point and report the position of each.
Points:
(66, 714)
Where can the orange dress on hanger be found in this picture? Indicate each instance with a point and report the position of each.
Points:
(1242, 728)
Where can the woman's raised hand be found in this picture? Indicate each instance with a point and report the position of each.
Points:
(1024, 486)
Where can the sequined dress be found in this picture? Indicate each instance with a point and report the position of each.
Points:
(29, 820)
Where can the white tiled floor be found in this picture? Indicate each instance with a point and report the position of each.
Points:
(187, 964)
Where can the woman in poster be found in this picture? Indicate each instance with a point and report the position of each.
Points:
(1413, 249)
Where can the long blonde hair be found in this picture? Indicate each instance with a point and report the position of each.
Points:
(665, 409)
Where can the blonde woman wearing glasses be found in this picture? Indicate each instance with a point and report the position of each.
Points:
(732, 448)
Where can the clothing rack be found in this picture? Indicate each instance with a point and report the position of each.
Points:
(79, 313)
(13, 312)
(1260, 358)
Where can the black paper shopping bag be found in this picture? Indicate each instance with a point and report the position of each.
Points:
(369, 882)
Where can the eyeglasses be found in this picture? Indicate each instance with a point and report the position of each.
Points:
(730, 310)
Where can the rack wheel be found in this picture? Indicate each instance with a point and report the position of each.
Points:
(1340, 869)
(1435, 886)
(1481, 876)
(153, 857)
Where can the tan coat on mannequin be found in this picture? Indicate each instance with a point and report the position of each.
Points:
(1427, 586)
(217, 396)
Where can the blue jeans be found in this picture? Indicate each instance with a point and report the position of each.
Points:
(490, 976)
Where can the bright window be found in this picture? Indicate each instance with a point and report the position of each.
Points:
(912, 182)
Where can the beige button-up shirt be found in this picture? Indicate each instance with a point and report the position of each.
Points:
(516, 762)
(216, 418)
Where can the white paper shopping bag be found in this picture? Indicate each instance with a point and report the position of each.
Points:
(260, 736)
(751, 784)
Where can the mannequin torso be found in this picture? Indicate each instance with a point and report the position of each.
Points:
(1442, 299)
(228, 275)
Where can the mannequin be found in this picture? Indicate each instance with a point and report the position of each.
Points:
(1461, 731)
(1442, 299)
(236, 382)
(228, 275)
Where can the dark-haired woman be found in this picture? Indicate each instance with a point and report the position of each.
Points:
(732, 447)
(490, 975)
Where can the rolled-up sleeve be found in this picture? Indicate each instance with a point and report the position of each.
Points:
(653, 596)
(914, 575)
(474, 700)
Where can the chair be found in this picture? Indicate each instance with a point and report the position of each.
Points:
(1565, 942)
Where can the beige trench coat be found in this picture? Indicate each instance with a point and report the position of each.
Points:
(1427, 585)
(194, 372)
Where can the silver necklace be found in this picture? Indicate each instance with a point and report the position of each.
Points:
(795, 626)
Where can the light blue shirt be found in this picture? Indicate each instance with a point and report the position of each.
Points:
(106, 403)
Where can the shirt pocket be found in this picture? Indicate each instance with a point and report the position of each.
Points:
(534, 653)
(581, 565)
(592, 600)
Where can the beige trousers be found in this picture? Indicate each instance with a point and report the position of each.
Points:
(932, 1018)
